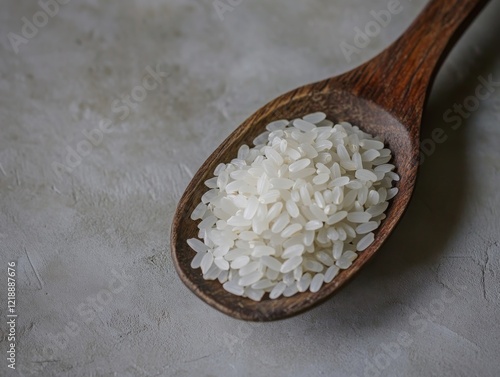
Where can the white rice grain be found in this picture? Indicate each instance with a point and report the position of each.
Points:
(315, 117)
(316, 282)
(277, 290)
(365, 242)
(304, 282)
(330, 273)
(291, 264)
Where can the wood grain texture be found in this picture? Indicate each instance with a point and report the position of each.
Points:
(385, 97)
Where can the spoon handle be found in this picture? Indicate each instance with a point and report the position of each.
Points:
(398, 79)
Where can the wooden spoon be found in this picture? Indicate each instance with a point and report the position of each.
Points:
(384, 97)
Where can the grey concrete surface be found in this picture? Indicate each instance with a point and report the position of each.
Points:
(88, 225)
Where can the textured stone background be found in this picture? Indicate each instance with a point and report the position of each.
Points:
(113, 210)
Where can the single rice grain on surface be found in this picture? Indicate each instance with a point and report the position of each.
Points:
(287, 215)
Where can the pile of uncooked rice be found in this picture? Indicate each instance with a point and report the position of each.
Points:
(286, 215)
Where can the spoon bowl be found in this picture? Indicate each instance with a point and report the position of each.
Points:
(384, 97)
